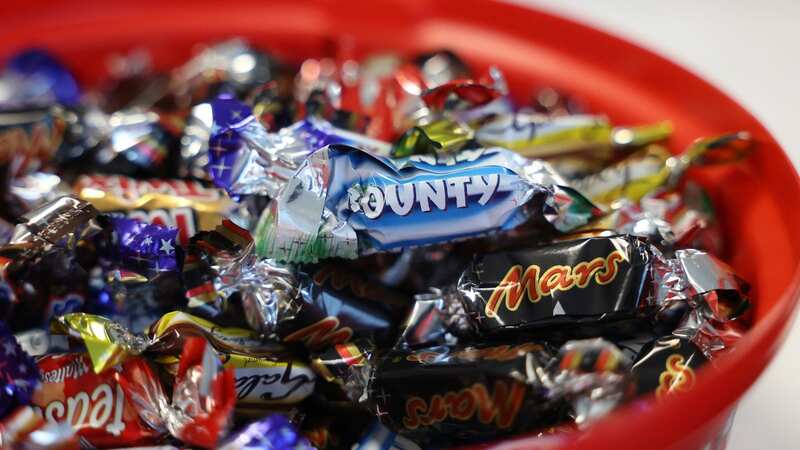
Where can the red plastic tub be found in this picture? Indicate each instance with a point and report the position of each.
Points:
(758, 199)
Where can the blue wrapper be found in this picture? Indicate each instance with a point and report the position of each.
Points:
(378, 437)
(19, 374)
(274, 432)
(36, 77)
(244, 158)
(344, 202)
(144, 248)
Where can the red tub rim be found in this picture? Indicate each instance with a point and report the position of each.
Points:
(55, 22)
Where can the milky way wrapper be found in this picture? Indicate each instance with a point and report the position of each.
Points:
(190, 206)
(344, 202)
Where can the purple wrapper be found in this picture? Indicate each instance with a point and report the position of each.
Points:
(144, 248)
(274, 432)
(19, 374)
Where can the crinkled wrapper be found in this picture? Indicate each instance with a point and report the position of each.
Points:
(344, 202)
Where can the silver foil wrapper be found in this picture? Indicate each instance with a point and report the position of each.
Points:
(62, 221)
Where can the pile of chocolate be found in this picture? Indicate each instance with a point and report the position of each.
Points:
(242, 253)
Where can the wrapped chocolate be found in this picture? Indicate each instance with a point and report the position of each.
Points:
(25, 429)
(144, 248)
(35, 77)
(128, 406)
(264, 373)
(448, 395)
(667, 365)
(271, 433)
(262, 380)
(29, 138)
(18, 373)
(441, 136)
(62, 221)
(315, 306)
(595, 285)
(670, 220)
(344, 202)
(245, 159)
(41, 275)
(187, 205)
(108, 343)
(378, 436)
(574, 144)
(654, 168)
(233, 62)
(134, 142)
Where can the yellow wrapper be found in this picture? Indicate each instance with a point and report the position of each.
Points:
(109, 343)
(632, 178)
(653, 168)
(166, 335)
(187, 205)
(106, 341)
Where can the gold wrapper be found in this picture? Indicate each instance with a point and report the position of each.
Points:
(654, 168)
(187, 205)
(107, 342)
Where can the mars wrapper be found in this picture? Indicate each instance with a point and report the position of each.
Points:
(344, 202)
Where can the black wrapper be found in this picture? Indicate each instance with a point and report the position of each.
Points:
(337, 304)
(448, 395)
(585, 283)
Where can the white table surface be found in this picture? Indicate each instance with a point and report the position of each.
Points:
(751, 50)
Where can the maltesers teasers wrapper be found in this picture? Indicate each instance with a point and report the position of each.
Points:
(344, 202)
(127, 404)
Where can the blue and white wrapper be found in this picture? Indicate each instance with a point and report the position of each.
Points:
(378, 437)
(246, 159)
(344, 202)
(273, 432)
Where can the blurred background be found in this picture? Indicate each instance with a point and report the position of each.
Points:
(750, 51)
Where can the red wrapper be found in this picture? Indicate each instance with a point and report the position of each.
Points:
(126, 405)
(97, 406)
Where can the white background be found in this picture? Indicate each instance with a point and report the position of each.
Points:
(751, 50)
